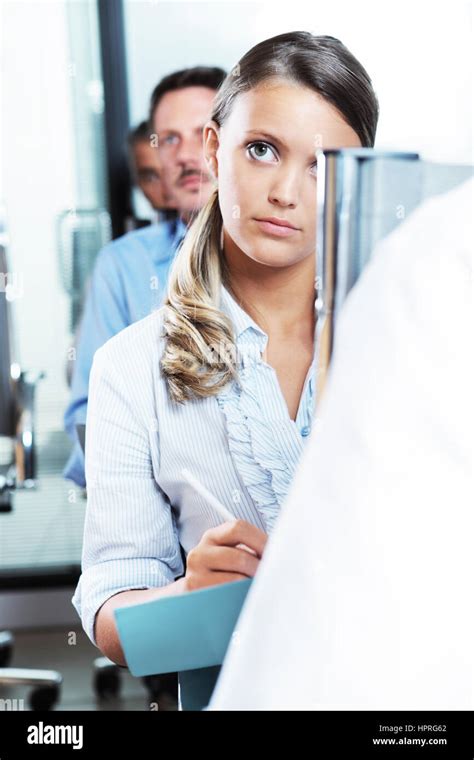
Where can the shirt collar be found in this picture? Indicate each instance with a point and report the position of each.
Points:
(178, 231)
(165, 237)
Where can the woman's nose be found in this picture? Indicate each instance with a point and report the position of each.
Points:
(285, 190)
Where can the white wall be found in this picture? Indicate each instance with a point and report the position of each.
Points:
(419, 55)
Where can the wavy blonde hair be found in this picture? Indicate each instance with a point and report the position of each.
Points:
(195, 330)
(196, 360)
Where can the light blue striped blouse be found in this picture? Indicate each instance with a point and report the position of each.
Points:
(242, 445)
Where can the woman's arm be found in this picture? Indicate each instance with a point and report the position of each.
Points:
(130, 539)
(216, 559)
(131, 550)
(105, 630)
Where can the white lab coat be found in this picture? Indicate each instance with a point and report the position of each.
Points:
(376, 610)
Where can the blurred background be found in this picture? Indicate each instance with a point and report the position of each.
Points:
(76, 75)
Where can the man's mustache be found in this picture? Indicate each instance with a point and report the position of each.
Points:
(203, 176)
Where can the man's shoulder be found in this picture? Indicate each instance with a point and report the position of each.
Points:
(417, 279)
(154, 240)
(439, 231)
(148, 235)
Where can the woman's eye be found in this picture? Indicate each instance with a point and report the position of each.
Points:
(261, 151)
(314, 170)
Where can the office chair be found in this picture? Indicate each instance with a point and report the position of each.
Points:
(162, 689)
(17, 392)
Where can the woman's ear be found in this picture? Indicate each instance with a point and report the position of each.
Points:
(211, 145)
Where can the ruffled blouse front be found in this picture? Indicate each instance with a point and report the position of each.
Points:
(265, 443)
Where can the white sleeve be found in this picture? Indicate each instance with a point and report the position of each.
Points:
(130, 538)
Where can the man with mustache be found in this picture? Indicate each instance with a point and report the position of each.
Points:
(130, 273)
(177, 108)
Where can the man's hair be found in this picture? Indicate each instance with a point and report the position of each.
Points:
(140, 133)
(199, 76)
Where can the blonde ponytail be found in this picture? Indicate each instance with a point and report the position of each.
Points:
(198, 358)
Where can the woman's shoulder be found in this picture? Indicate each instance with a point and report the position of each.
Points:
(137, 346)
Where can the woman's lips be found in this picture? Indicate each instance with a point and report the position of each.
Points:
(276, 229)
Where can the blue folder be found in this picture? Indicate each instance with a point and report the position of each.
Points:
(183, 632)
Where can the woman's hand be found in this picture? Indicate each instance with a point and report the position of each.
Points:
(217, 558)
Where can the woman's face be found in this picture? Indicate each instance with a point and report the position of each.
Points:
(264, 159)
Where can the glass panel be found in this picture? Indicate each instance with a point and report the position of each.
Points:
(53, 172)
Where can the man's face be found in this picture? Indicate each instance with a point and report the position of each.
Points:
(179, 121)
(147, 172)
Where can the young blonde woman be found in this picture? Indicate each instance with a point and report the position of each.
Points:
(220, 380)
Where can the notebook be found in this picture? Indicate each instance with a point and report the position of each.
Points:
(184, 632)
